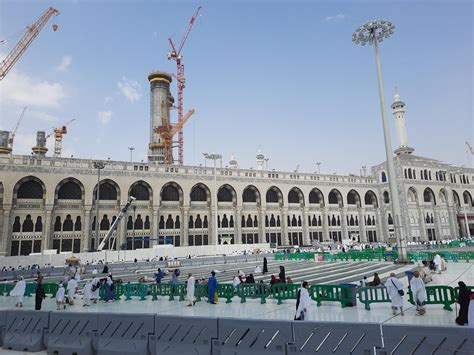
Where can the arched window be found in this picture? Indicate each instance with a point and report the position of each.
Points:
(161, 224)
(409, 173)
(249, 221)
(140, 191)
(231, 222)
(386, 197)
(39, 225)
(299, 221)
(198, 194)
(319, 221)
(272, 221)
(107, 191)
(249, 195)
(242, 222)
(68, 224)
(352, 198)
(266, 221)
(177, 223)
(130, 223)
(370, 199)
(467, 198)
(16, 225)
(105, 223)
(57, 224)
(169, 222)
(225, 222)
(224, 195)
(255, 222)
(70, 190)
(294, 221)
(169, 193)
(293, 197)
(428, 196)
(338, 221)
(205, 223)
(314, 197)
(272, 196)
(278, 221)
(30, 189)
(333, 221)
(191, 222)
(78, 224)
(198, 223)
(406, 174)
(384, 177)
(352, 221)
(335, 197)
(147, 222)
(139, 222)
(368, 221)
(390, 219)
(427, 219)
(314, 222)
(27, 224)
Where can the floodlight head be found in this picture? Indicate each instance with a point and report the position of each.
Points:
(372, 31)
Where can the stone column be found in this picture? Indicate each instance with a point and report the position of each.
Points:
(325, 223)
(6, 231)
(421, 224)
(185, 226)
(238, 226)
(363, 236)
(121, 235)
(154, 226)
(261, 225)
(437, 223)
(86, 230)
(284, 226)
(47, 235)
(342, 212)
(304, 216)
(379, 226)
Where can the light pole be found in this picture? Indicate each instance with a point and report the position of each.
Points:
(99, 165)
(373, 32)
(319, 167)
(266, 163)
(214, 157)
(131, 149)
(134, 219)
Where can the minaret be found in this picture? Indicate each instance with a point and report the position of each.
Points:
(260, 160)
(398, 109)
(233, 164)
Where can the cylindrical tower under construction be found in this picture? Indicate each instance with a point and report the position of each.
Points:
(40, 147)
(160, 102)
(4, 142)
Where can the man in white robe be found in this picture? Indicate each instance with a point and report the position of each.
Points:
(60, 297)
(437, 262)
(19, 292)
(470, 312)
(95, 289)
(87, 293)
(394, 285)
(190, 290)
(304, 303)
(418, 290)
(71, 290)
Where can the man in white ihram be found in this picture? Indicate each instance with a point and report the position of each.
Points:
(437, 262)
(394, 286)
(190, 290)
(304, 303)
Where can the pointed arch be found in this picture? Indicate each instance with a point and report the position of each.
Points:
(335, 198)
(109, 190)
(370, 199)
(429, 196)
(251, 195)
(353, 198)
(412, 195)
(274, 195)
(316, 197)
(467, 198)
(29, 187)
(141, 190)
(226, 193)
(200, 193)
(386, 197)
(69, 189)
(295, 195)
(171, 192)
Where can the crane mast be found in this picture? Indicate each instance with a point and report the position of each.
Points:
(30, 34)
(175, 54)
(12, 136)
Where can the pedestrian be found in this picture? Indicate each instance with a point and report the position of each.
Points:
(40, 295)
(236, 282)
(281, 275)
(257, 270)
(376, 281)
(289, 281)
(95, 289)
(418, 290)
(190, 290)
(174, 281)
(265, 265)
(437, 262)
(60, 294)
(19, 292)
(241, 274)
(71, 290)
(105, 270)
(159, 276)
(395, 291)
(109, 289)
(87, 293)
(250, 279)
(212, 288)
(273, 280)
(470, 313)
(303, 303)
(464, 297)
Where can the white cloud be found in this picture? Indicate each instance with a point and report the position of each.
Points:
(39, 115)
(130, 89)
(21, 89)
(105, 117)
(65, 63)
(335, 18)
(108, 100)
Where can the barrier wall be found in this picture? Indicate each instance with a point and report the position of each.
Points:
(98, 333)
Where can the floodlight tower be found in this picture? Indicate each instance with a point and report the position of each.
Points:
(374, 32)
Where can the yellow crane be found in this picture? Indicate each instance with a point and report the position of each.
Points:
(30, 34)
(58, 133)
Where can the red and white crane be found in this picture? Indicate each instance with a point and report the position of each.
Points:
(175, 54)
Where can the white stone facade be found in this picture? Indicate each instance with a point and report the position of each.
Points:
(38, 211)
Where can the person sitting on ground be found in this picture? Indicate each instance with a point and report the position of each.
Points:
(363, 282)
(376, 281)
(258, 270)
(250, 279)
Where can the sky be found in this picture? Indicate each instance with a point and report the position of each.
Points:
(282, 76)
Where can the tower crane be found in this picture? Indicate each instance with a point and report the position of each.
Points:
(58, 133)
(167, 132)
(175, 54)
(12, 136)
(30, 34)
